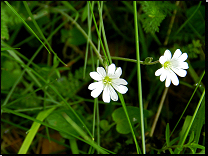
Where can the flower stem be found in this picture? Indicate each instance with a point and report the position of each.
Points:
(139, 77)
(133, 60)
(158, 111)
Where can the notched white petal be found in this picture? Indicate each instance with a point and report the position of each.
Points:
(183, 57)
(120, 88)
(174, 78)
(167, 82)
(167, 54)
(162, 59)
(119, 81)
(95, 76)
(163, 76)
(159, 71)
(118, 72)
(184, 65)
(106, 95)
(101, 71)
(96, 92)
(113, 94)
(111, 69)
(177, 54)
(180, 72)
(95, 85)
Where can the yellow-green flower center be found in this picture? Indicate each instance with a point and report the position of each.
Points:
(107, 80)
(167, 64)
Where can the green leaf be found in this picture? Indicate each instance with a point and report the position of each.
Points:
(199, 121)
(73, 36)
(197, 20)
(154, 14)
(191, 138)
(33, 130)
(167, 136)
(104, 125)
(10, 74)
(4, 29)
(202, 152)
(56, 119)
(185, 126)
(85, 13)
(120, 118)
(173, 141)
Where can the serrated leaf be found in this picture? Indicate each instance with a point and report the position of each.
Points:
(155, 12)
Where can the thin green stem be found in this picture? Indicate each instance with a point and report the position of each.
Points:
(133, 60)
(183, 25)
(99, 34)
(100, 8)
(130, 125)
(139, 78)
(159, 111)
(188, 102)
(192, 120)
(83, 134)
(81, 30)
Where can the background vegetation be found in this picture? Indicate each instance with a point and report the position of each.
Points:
(48, 49)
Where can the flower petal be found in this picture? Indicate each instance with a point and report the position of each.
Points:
(120, 88)
(177, 54)
(94, 85)
(111, 69)
(163, 76)
(118, 72)
(183, 57)
(159, 71)
(95, 76)
(168, 54)
(113, 93)
(174, 78)
(168, 81)
(180, 72)
(184, 65)
(162, 59)
(119, 81)
(101, 71)
(96, 92)
(106, 94)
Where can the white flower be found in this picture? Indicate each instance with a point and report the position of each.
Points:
(107, 82)
(172, 66)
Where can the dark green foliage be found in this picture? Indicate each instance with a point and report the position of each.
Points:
(33, 93)
(10, 72)
(198, 123)
(56, 119)
(10, 18)
(4, 28)
(194, 49)
(154, 13)
(119, 117)
(70, 85)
